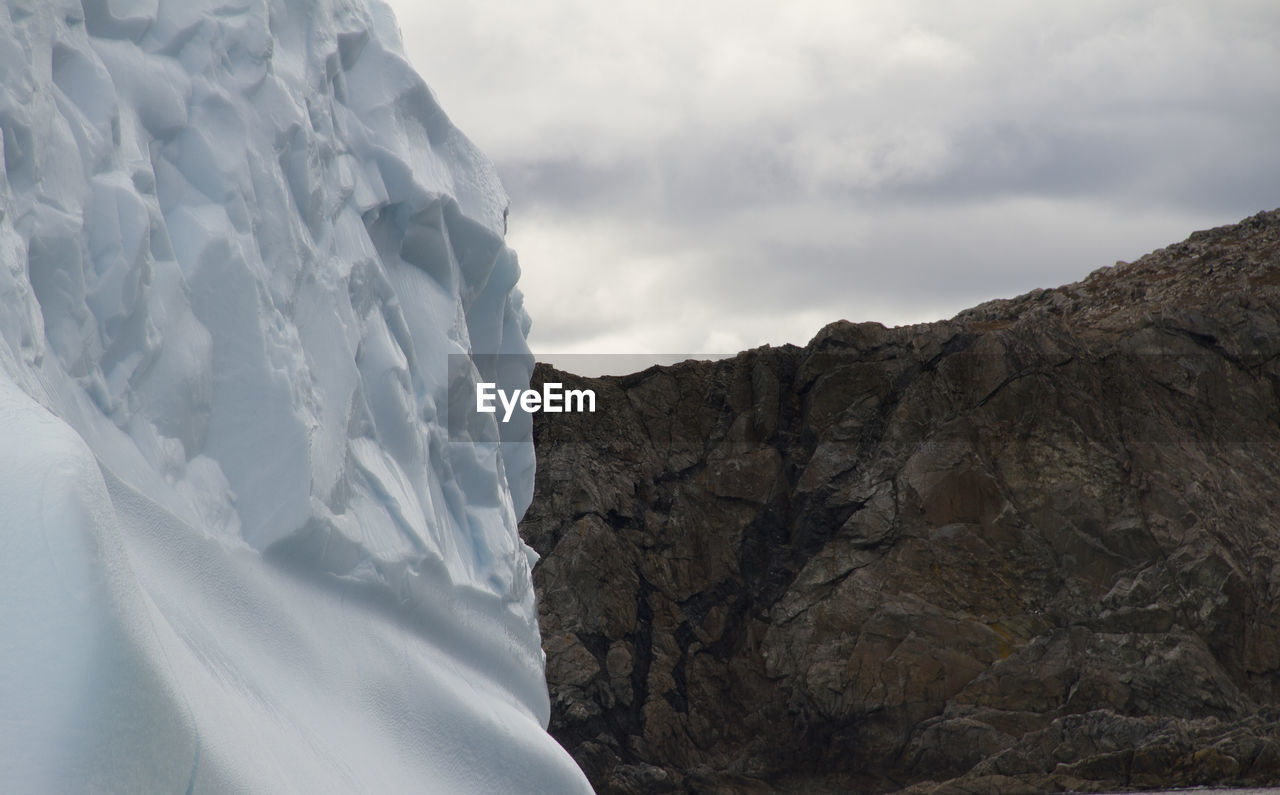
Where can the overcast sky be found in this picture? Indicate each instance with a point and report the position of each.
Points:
(714, 175)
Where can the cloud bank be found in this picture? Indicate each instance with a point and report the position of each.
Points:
(714, 177)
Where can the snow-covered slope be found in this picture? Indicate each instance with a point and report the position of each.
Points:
(239, 550)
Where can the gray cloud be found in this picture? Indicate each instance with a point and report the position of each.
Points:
(742, 172)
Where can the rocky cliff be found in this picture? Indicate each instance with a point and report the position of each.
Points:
(1033, 547)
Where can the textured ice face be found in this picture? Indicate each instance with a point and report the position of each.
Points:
(252, 236)
(238, 243)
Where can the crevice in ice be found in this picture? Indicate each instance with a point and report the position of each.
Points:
(195, 765)
(19, 150)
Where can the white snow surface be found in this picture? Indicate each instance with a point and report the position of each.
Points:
(239, 551)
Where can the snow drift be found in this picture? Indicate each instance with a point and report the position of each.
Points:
(238, 243)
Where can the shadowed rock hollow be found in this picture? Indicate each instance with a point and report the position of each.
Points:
(1033, 547)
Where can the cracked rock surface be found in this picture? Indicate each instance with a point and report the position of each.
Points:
(1034, 547)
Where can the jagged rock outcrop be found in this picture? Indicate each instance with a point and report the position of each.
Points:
(1033, 547)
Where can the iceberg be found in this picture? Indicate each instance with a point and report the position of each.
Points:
(240, 243)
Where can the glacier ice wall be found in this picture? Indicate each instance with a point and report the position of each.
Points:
(239, 240)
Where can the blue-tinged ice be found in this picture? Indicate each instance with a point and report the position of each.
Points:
(238, 549)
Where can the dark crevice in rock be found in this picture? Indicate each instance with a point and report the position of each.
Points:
(642, 643)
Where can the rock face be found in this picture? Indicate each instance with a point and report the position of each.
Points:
(1033, 547)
